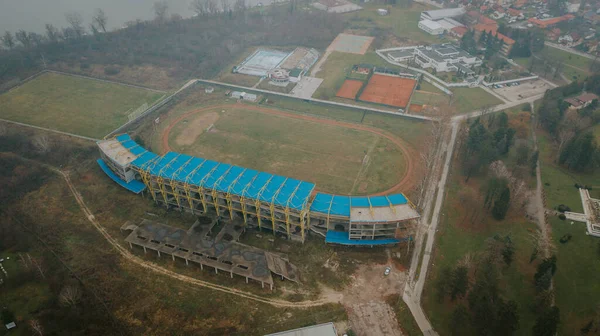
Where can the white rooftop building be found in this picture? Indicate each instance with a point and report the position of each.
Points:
(441, 57)
(431, 27)
(439, 14)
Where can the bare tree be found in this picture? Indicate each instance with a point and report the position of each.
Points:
(69, 296)
(36, 39)
(42, 144)
(33, 264)
(37, 328)
(225, 6)
(199, 7)
(76, 21)
(211, 6)
(100, 19)
(23, 37)
(52, 33)
(161, 9)
(8, 40)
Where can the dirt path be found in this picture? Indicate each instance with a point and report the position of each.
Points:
(406, 182)
(161, 270)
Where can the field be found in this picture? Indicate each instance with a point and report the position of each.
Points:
(577, 288)
(470, 99)
(72, 104)
(338, 159)
(401, 22)
(338, 66)
(349, 89)
(388, 90)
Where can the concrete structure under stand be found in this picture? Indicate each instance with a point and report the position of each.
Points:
(285, 206)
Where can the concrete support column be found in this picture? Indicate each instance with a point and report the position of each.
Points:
(231, 274)
(271, 287)
(173, 257)
(246, 279)
(130, 246)
(158, 253)
(263, 284)
(186, 262)
(144, 249)
(216, 271)
(201, 267)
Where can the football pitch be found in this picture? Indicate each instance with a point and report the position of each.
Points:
(72, 104)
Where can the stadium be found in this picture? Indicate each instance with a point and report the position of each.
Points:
(288, 207)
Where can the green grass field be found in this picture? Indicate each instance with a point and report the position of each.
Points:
(458, 236)
(402, 22)
(470, 99)
(331, 156)
(578, 262)
(73, 104)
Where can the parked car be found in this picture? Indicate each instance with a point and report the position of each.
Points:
(388, 270)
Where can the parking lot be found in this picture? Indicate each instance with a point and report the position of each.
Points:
(523, 90)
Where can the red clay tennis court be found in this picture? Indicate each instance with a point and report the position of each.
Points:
(349, 89)
(388, 90)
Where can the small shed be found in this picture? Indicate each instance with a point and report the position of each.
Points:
(382, 11)
(209, 89)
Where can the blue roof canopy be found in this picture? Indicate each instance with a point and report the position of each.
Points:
(343, 238)
(223, 177)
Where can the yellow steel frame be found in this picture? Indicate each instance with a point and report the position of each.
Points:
(228, 195)
(243, 198)
(287, 210)
(370, 207)
(272, 206)
(145, 173)
(215, 192)
(186, 186)
(160, 180)
(329, 210)
(257, 201)
(391, 206)
(201, 187)
(409, 202)
(173, 185)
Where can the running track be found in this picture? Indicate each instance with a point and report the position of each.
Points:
(406, 182)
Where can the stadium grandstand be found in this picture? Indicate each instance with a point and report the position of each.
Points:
(280, 204)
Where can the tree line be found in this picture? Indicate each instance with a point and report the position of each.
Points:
(196, 47)
(571, 129)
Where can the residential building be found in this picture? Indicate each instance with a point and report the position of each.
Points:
(431, 27)
(573, 6)
(545, 23)
(459, 31)
(582, 100)
(507, 41)
(441, 57)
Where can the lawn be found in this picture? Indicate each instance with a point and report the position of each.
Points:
(460, 235)
(330, 156)
(338, 66)
(559, 183)
(73, 104)
(402, 22)
(471, 99)
(578, 261)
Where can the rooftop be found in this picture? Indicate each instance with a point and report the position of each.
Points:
(431, 24)
(444, 13)
(325, 329)
(279, 190)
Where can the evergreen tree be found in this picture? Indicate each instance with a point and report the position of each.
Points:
(460, 319)
(459, 283)
(501, 205)
(547, 323)
(544, 274)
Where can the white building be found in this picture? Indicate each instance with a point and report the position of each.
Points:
(441, 57)
(243, 96)
(431, 27)
(382, 11)
(439, 14)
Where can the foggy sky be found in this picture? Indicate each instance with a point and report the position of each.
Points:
(32, 15)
